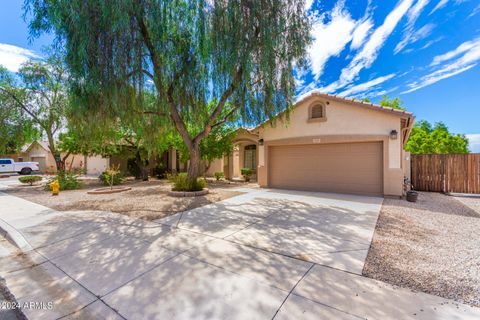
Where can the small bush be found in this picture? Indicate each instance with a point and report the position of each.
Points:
(181, 182)
(219, 175)
(106, 178)
(30, 179)
(68, 181)
(160, 171)
(246, 173)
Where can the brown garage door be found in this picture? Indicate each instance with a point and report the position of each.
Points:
(340, 167)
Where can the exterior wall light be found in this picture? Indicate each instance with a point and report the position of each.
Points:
(393, 134)
(260, 142)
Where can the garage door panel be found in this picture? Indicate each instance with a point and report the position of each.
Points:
(345, 167)
(42, 163)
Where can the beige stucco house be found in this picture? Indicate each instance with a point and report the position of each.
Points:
(38, 151)
(328, 144)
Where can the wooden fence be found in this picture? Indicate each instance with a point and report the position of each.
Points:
(446, 173)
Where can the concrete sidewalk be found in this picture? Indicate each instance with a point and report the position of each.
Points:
(101, 265)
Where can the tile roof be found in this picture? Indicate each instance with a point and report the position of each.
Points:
(369, 105)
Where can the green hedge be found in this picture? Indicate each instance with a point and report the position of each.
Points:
(30, 179)
(182, 183)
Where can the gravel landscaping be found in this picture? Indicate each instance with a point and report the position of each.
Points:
(432, 245)
(147, 199)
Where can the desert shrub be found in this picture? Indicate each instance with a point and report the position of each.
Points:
(219, 175)
(106, 178)
(30, 179)
(182, 183)
(246, 173)
(68, 181)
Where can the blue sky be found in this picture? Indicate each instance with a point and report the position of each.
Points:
(426, 52)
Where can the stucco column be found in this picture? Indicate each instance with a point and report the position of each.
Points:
(236, 162)
(172, 159)
(261, 156)
(261, 169)
(230, 166)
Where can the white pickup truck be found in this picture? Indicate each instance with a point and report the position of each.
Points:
(9, 165)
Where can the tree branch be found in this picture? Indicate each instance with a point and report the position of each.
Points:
(23, 107)
(179, 124)
(158, 113)
(64, 158)
(150, 75)
(218, 109)
(151, 49)
(130, 142)
(224, 119)
(144, 71)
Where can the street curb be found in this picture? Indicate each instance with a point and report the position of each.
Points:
(14, 236)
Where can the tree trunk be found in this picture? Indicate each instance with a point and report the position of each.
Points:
(142, 165)
(207, 167)
(59, 163)
(194, 166)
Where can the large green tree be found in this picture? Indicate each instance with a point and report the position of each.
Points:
(16, 129)
(428, 139)
(395, 103)
(38, 92)
(185, 52)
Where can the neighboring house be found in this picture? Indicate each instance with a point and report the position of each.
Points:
(38, 151)
(169, 160)
(328, 144)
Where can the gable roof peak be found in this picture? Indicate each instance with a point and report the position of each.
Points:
(372, 106)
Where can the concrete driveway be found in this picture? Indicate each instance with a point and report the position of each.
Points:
(262, 255)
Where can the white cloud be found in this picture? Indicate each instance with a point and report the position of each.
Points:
(467, 56)
(366, 86)
(379, 93)
(435, 77)
(369, 52)
(474, 11)
(360, 33)
(464, 47)
(421, 33)
(409, 33)
(431, 42)
(415, 11)
(443, 3)
(330, 38)
(474, 142)
(308, 4)
(11, 57)
(439, 5)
